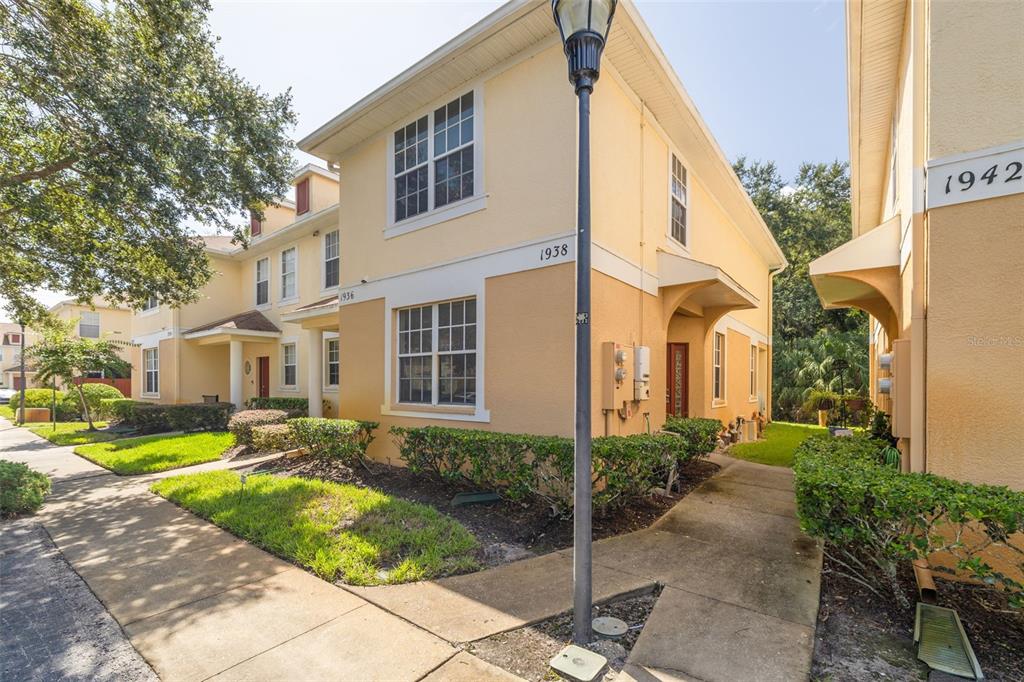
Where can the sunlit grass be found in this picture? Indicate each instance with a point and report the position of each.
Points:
(778, 445)
(149, 454)
(340, 532)
(71, 433)
(7, 412)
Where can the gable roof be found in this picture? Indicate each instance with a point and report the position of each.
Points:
(517, 26)
(252, 320)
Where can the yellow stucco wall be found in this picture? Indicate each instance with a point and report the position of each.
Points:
(976, 341)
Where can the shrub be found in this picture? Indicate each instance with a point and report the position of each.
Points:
(242, 423)
(699, 434)
(344, 439)
(155, 418)
(68, 406)
(522, 466)
(271, 437)
(876, 517)
(94, 394)
(116, 409)
(21, 489)
(298, 407)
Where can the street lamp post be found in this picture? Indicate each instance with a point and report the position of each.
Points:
(584, 26)
(21, 356)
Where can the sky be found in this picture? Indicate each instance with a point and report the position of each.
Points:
(767, 77)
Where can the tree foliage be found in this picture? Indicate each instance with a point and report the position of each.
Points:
(809, 217)
(119, 126)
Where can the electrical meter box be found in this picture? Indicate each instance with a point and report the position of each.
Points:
(616, 382)
(641, 373)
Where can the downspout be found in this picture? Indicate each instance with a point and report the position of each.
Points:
(769, 380)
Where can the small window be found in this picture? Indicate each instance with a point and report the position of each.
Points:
(332, 259)
(753, 371)
(289, 365)
(151, 364)
(302, 197)
(14, 339)
(289, 283)
(263, 281)
(255, 225)
(89, 325)
(332, 362)
(679, 201)
(151, 304)
(718, 367)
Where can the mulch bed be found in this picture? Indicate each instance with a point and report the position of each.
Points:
(507, 531)
(527, 651)
(861, 635)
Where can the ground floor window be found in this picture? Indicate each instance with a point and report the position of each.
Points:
(332, 362)
(151, 363)
(753, 371)
(718, 367)
(437, 353)
(289, 364)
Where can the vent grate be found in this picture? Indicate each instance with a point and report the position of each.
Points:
(942, 642)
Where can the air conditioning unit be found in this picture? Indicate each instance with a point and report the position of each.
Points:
(885, 362)
(885, 386)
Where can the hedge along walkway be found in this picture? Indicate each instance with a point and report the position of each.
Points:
(741, 585)
(197, 602)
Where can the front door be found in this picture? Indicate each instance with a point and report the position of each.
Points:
(263, 375)
(677, 396)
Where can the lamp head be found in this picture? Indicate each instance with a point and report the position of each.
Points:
(583, 25)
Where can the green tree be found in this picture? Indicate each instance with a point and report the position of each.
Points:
(61, 355)
(808, 217)
(119, 126)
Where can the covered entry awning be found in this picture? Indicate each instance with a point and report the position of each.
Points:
(863, 273)
(699, 288)
(249, 326)
(320, 315)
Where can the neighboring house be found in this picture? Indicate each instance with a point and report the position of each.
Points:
(10, 356)
(457, 209)
(937, 163)
(266, 323)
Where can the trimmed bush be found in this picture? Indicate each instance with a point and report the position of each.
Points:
(344, 439)
(156, 418)
(69, 407)
(242, 423)
(95, 394)
(700, 435)
(298, 407)
(21, 489)
(271, 437)
(116, 409)
(523, 466)
(876, 517)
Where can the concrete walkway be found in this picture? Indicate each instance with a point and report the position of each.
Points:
(198, 603)
(741, 585)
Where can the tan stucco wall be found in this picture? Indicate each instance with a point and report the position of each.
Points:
(976, 73)
(976, 341)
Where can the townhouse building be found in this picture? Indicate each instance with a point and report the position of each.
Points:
(937, 170)
(456, 209)
(266, 323)
(10, 355)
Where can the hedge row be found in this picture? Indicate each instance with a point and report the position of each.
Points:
(244, 423)
(297, 406)
(876, 517)
(156, 418)
(521, 466)
(69, 403)
(272, 430)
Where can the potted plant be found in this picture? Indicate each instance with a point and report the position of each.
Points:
(822, 402)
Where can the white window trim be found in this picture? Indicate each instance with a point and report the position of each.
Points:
(269, 284)
(145, 312)
(329, 337)
(671, 240)
(324, 289)
(281, 298)
(280, 377)
(754, 370)
(456, 209)
(718, 401)
(145, 372)
(98, 325)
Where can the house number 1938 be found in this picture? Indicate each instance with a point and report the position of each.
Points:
(556, 251)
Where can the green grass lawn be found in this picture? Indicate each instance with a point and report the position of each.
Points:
(148, 454)
(340, 532)
(6, 412)
(71, 433)
(779, 442)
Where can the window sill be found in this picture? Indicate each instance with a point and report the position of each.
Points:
(440, 215)
(719, 402)
(288, 389)
(288, 301)
(329, 389)
(150, 396)
(436, 412)
(677, 246)
(264, 306)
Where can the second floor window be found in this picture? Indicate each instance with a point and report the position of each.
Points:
(289, 285)
(263, 281)
(302, 197)
(150, 304)
(89, 325)
(433, 159)
(332, 259)
(679, 201)
(255, 225)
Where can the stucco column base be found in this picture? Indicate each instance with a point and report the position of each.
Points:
(235, 372)
(315, 363)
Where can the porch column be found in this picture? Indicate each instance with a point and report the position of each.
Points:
(235, 373)
(315, 379)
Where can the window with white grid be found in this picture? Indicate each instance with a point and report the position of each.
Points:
(151, 364)
(415, 354)
(753, 371)
(679, 201)
(332, 259)
(289, 280)
(437, 353)
(718, 367)
(289, 364)
(411, 170)
(89, 325)
(263, 281)
(332, 362)
(453, 151)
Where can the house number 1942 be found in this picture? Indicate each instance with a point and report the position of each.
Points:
(973, 176)
(966, 179)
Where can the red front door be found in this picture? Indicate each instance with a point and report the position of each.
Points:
(17, 383)
(677, 396)
(263, 375)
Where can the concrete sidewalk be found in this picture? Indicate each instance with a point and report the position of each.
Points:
(198, 603)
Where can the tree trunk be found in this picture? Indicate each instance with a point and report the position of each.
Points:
(85, 407)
